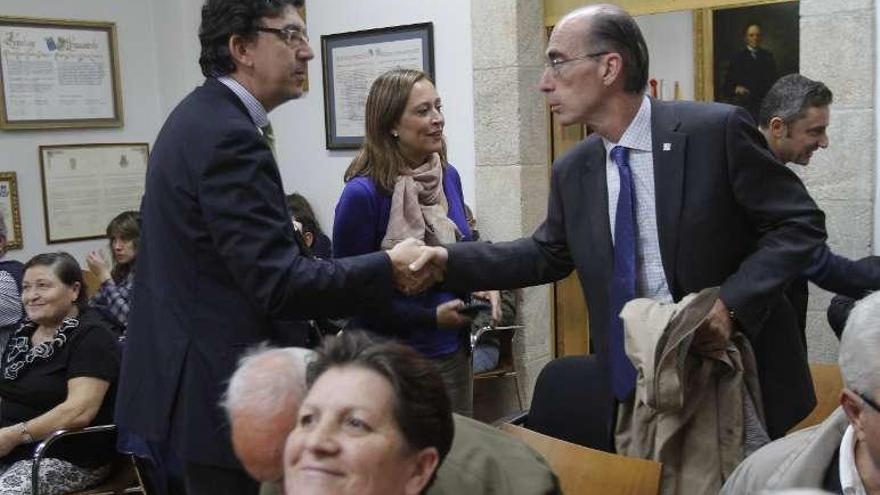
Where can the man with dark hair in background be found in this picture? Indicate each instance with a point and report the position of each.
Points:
(662, 200)
(751, 72)
(794, 117)
(218, 262)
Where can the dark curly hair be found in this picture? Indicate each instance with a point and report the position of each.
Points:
(223, 18)
(422, 408)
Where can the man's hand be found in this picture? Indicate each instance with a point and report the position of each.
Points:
(448, 316)
(432, 259)
(407, 280)
(493, 297)
(712, 337)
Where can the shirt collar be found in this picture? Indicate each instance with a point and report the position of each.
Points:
(635, 137)
(255, 108)
(850, 481)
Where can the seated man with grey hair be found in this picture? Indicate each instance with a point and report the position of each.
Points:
(263, 400)
(842, 454)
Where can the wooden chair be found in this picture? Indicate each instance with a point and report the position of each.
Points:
(124, 477)
(582, 470)
(828, 382)
(92, 283)
(506, 367)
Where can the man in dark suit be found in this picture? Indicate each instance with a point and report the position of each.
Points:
(751, 72)
(218, 262)
(663, 199)
(794, 116)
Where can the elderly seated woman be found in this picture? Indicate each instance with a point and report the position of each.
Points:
(376, 420)
(58, 371)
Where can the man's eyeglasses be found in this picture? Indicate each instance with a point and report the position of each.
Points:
(290, 35)
(870, 402)
(556, 63)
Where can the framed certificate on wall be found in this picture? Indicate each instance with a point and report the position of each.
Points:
(86, 185)
(10, 210)
(58, 74)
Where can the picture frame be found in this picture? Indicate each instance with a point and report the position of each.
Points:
(59, 74)
(353, 60)
(10, 208)
(86, 185)
(722, 60)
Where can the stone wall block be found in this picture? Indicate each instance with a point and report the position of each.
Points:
(844, 170)
(499, 202)
(498, 126)
(822, 344)
(533, 114)
(824, 7)
(840, 54)
(849, 225)
(536, 189)
(495, 37)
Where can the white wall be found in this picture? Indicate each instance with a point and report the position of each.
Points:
(306, 165)
(140, 95)
(670, 39)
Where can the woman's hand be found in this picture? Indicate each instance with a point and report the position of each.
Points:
(98, 265)
(494, 298)
(10, 438)
(449, 317)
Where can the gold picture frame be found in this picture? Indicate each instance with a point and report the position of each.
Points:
(59, 74)
(10, 209)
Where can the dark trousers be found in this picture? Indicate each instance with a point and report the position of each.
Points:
(214, 480)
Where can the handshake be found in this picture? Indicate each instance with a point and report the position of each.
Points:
(416, 267)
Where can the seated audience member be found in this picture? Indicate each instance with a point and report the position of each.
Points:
(313, 235)
(263, 401)
(376, 421)
(58, 371)
(113, 298)
(842, 454)
(10, 289)
(794, 117)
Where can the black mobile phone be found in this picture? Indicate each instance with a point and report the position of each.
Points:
(473, 308)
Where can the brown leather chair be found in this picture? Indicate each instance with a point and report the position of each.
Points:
(584, 470)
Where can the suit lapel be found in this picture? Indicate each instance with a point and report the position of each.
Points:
(594, 187)
(669, 161)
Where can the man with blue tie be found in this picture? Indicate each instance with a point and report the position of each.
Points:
(663, 199)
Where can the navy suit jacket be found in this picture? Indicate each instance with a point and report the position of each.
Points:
(217, 264)
(728, 215)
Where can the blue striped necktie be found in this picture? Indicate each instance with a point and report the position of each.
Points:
(623, 283)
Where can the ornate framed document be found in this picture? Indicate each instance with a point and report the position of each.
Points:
(9, 207)
(86, 185)
(352, 61)
(58, 74)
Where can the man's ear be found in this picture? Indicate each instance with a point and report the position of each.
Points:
(240, 51)
(612, 69)
(777, 127)
(423, 468)
(852, 406)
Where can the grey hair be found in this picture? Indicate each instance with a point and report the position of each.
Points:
(790, 97)
(612, 29)
(265, 378)
(860, 346)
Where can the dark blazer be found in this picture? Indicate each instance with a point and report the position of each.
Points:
(217, 264)
(728, 215)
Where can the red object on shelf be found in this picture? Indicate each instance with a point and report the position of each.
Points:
(653, 83)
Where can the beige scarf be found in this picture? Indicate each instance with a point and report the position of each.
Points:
(419, 208)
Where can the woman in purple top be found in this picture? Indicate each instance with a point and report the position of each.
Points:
(398, 186)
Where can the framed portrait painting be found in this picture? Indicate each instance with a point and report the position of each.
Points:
(745, 49)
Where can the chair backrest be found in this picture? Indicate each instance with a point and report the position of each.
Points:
(572, 401)
(583, 470)
(828, 382)
(92, 283)
(506, 365)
